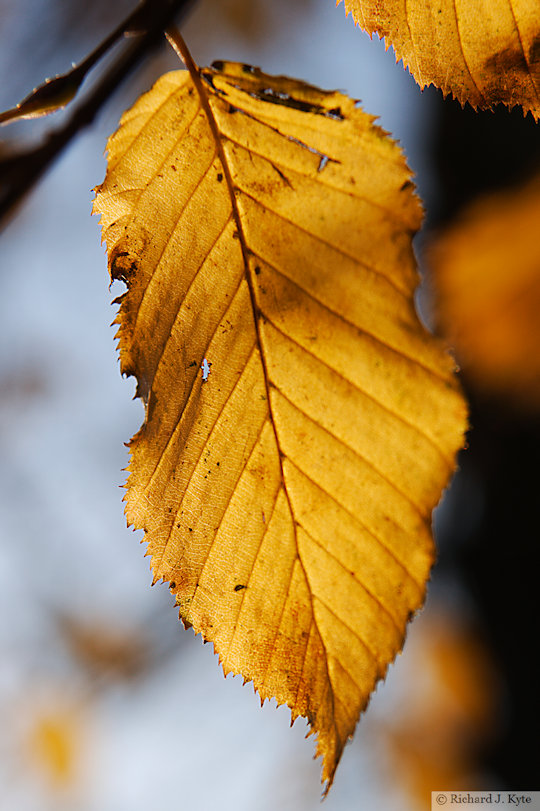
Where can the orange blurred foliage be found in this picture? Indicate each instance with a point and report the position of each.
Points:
(53, 745)
(486, 271)
(451, 713)
(106, 652)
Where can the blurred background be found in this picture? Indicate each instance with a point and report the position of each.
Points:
(106, 703)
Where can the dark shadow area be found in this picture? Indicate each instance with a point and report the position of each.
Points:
(490, 536)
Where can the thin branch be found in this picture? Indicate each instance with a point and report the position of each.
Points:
(58, 91)
(21, 171)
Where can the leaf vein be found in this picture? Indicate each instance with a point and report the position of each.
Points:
(319, 238)
(359, 522)
(460, 41)
(320, 181)
(349, 628)
(245, 591)
(152, 120)
(194, 279)
(521, 45)
(304, 655)
(362, 391)
(199, 457)
(358, 455)
(192, 389)
(352, 324)
(351, 677)
(359, 582)
(167, 242)
(279, 624)
(228, 504)
(204, 97)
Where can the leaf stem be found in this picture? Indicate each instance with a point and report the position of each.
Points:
(176, 41)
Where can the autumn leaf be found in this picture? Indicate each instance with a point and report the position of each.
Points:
(300, 422)
(481, 52)
(486, 273)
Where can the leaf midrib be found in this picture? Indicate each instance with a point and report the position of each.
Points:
(205, 104)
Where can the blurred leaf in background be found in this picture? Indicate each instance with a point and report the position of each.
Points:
(53, 745)
(450, 714)
(486, 274)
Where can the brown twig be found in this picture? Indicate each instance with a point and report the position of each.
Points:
(21, 171)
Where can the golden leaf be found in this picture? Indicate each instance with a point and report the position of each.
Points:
(482, 52)
(486, 269)
(300, 422)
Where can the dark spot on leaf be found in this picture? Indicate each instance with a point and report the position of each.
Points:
(118, 256)
(239, 587)
(507, 69)
(236, 235)
(232, 109)
(249, 69)
(257, 270)
(220, 177)
(193, 363)
(173, 167)
(534, 50)
(406, 185)
(172, 584)
(218, 64)
(507, 60)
